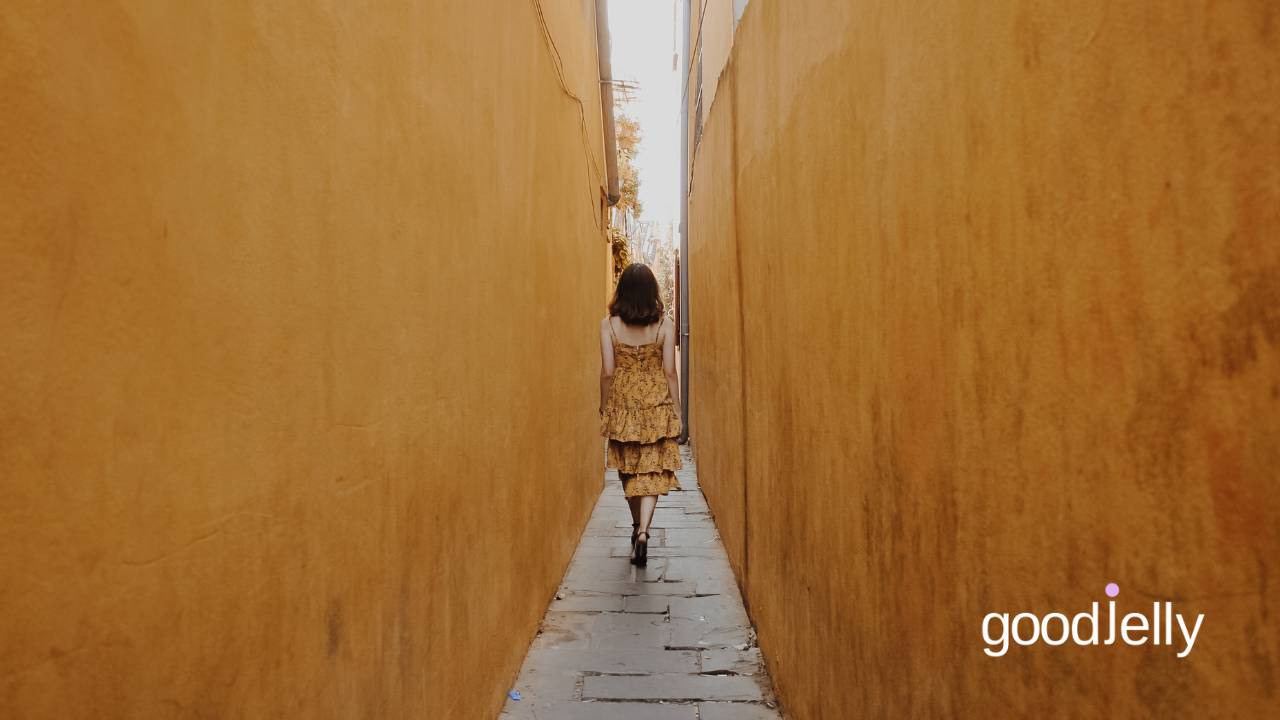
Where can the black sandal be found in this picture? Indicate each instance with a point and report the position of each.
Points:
(640, 552)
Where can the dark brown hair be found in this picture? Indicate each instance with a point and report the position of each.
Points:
(636, 298)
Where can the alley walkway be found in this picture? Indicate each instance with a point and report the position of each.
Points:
(667, 642)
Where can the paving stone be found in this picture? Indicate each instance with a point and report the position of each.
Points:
(692, 522)
(702, 551)
(729, 661)
(698, 569)
(621, 540)
(549, 684)
(596, 569)
(563, 630)
(670, 687)
(588, 603)
(601, 524)
(694, 634)
(671, 519)
(691, 513)
(599, 551)
(619, 631)
(737, 711)
(717, 586)
(646, 604)
(671, 510)
(696, 537)
(623, 530)
(620, 569)
(633, 588)
(715, 609)
(597, 711)
(618, 662)
(663, 642)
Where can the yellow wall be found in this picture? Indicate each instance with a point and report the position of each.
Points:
(1001, 280)
(716, 389)
(270, 276)
(711, 36)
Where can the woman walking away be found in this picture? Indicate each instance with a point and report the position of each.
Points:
(639, 394)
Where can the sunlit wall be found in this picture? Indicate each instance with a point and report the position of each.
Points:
(984, 317)
(270, 275)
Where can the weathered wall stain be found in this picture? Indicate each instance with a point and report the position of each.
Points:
(998, 281)
(264, 268)
(1254, 317)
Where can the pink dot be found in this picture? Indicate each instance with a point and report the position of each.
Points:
(1112, 589)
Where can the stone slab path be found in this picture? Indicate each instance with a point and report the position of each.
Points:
(667, 642)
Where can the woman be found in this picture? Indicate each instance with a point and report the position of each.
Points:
(639, 394)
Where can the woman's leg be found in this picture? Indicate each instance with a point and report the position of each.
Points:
(632, 502)
(647, 505)
(640, 551)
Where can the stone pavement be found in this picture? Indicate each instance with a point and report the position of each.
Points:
(667, 642)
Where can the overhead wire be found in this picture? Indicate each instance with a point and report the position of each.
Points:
(558, 63)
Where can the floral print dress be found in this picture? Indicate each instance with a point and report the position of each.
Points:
(640, 420)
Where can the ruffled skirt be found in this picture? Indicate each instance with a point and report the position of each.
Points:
(643, 448)
(645, 468)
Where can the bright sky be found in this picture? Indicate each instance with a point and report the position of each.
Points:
(645, 34)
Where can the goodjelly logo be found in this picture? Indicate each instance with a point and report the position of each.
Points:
(1086, 628)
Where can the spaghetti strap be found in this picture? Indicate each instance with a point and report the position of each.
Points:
(656, 336)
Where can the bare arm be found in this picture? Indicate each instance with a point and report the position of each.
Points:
(606, 362)
(669, 363)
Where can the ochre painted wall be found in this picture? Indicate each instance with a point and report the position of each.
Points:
(711, 37)
(271, 275)
(1002, 283)
(716, 380)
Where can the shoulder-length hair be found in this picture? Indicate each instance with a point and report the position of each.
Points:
(636, 298)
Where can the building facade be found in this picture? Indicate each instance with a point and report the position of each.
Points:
(983, 319)
(268, 443)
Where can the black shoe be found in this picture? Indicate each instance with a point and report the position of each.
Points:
(640, 553)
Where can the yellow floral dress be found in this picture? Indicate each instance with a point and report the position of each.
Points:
(640, 420)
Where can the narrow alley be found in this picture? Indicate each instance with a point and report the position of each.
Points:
(670, 641)
(319, 359)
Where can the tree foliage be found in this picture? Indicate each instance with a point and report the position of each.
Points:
(629, 177)
(664, 268)
(620, 245)
(629, 206)
(628, 137)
